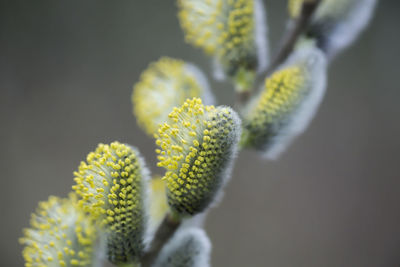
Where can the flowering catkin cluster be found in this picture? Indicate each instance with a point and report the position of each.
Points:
(197, 142)
(229, 30)
(165, 84)
(286, 103)
(111, 184)
(197, 146)
(61, 234)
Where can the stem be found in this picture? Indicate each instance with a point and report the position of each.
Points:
(242, 98)
(164, 232)
(288, 43)
(130, 264)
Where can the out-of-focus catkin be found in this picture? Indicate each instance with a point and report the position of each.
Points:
(165, 84)
(286, 103)
(232, 31)
(158, 202)
(61, 234)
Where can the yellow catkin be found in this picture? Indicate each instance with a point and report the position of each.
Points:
(294, 8)
(196, 147)
(282, 94)
(110, 183)
(163, 85)
(158, 201)
(223, 29)
(61, 234)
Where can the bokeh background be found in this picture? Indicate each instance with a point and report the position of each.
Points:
(66, 75)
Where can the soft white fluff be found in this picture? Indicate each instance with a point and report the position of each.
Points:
(145, 179)
(261, 35)
(189, 247)
(218, 70)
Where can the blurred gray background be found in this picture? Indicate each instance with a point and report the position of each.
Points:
(66, 73)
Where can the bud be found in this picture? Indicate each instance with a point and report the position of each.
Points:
(165, 84)
(61, 234)
(112, 185)
(188, 247)
(232, 31)
(287, 103)
(336, 23)
(198, 144)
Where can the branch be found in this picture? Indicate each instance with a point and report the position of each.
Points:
(164, 232)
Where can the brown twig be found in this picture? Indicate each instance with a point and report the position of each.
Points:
(164, 232)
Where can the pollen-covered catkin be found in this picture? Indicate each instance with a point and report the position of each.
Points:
(286, 104)
(165, 84)
(197, 147)
(61, 234)
(336, 23)
(232, 31)
(189, 247)
(112, 184)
